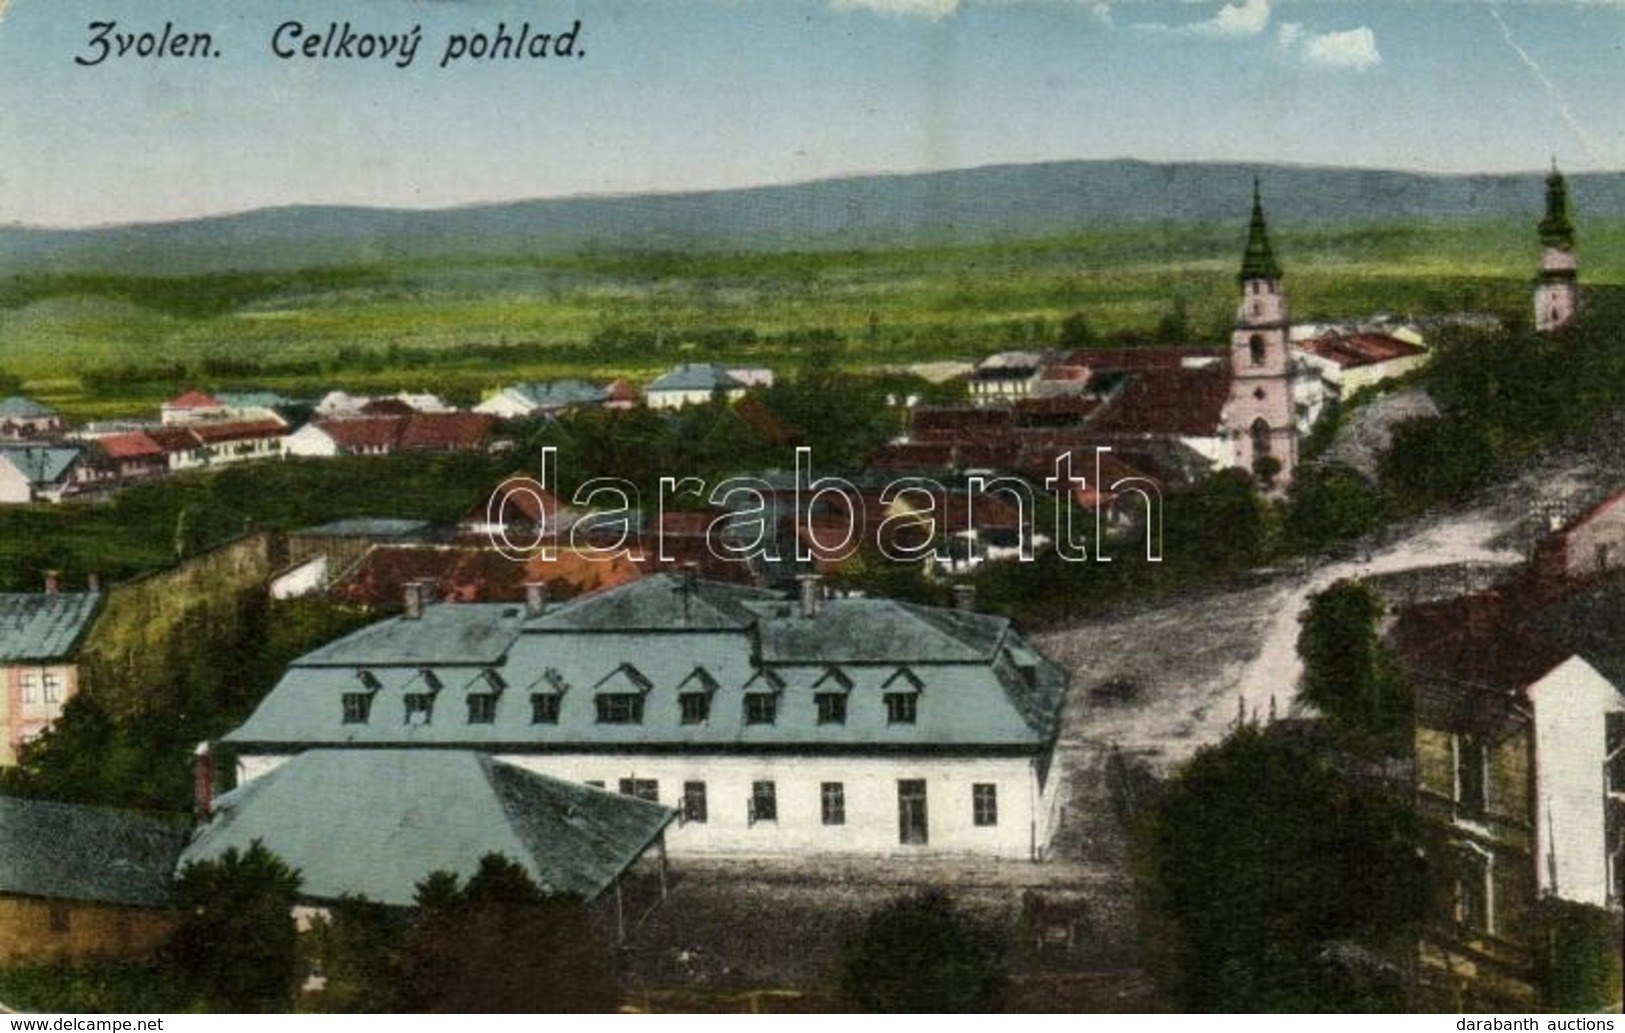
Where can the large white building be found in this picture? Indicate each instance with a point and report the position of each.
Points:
(773, 725)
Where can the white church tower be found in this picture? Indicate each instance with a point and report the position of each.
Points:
(1259, 414)
(1557, 292)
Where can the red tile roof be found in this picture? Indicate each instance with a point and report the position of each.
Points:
(1163, 400)
(174, 439)
(366, 432)
(1360, 349)
(237, 430)
(386, 407)
(446, 432)
(938, 423)
(192, 400)
(129, 446)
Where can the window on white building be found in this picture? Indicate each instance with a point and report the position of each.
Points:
(1614, 742)
(641, 789)
(694, 802)
(764, 802)
(913, 827)
(53, 687)
(30, 687)
(832, 802)
(984, 798)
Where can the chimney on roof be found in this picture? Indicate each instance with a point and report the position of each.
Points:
(536, 597)
(53, 582)
(416, 593)
(965, 598)
(812, 594)
(203, 780)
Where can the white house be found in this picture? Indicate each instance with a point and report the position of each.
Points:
(692, 384)
(774, 725)
(521, 400)
(36, 473)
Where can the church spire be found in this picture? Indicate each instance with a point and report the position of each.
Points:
(1259, 262)
(1557, 229)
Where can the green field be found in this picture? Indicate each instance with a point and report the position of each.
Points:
(115, 344)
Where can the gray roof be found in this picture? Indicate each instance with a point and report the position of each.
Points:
(41, 464)
(43, 625)
(365, 527)
(374, 823)
(445, 635)
(695, 376)
(251, 399)
(980, 684)
(61, 851)
(18, 408)
(559, 394)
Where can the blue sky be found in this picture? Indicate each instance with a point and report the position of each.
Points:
(689, 94)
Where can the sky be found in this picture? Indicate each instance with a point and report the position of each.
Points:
(674, 95)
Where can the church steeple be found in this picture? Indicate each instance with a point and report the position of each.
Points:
(1259, 417)
(1557, 229)
(1557, 288)
(1259, 262)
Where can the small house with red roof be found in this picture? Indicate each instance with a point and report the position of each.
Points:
(190, 407)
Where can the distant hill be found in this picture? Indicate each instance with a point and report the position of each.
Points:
(964, 206)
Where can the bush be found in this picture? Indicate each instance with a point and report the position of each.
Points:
(237, 947)
(920, 954)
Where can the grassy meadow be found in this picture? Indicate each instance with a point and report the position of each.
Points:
(106, 345)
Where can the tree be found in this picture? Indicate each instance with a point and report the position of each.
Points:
(1262, 867)
(500, 944)
(237, 947)
(1076, 332)
(357, 947)
(1175, 325)
(1349, 675)
(1330, 502)
(920, 954)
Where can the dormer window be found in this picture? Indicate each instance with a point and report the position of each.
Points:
(619, 696)
(902, 697)
(419, 707)
(619, 708)
(482, 708)
(831, 707)
(357, 707)
(694, 697)
(544, 708)
(761, 708)
(694, 707)
(902, 707)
